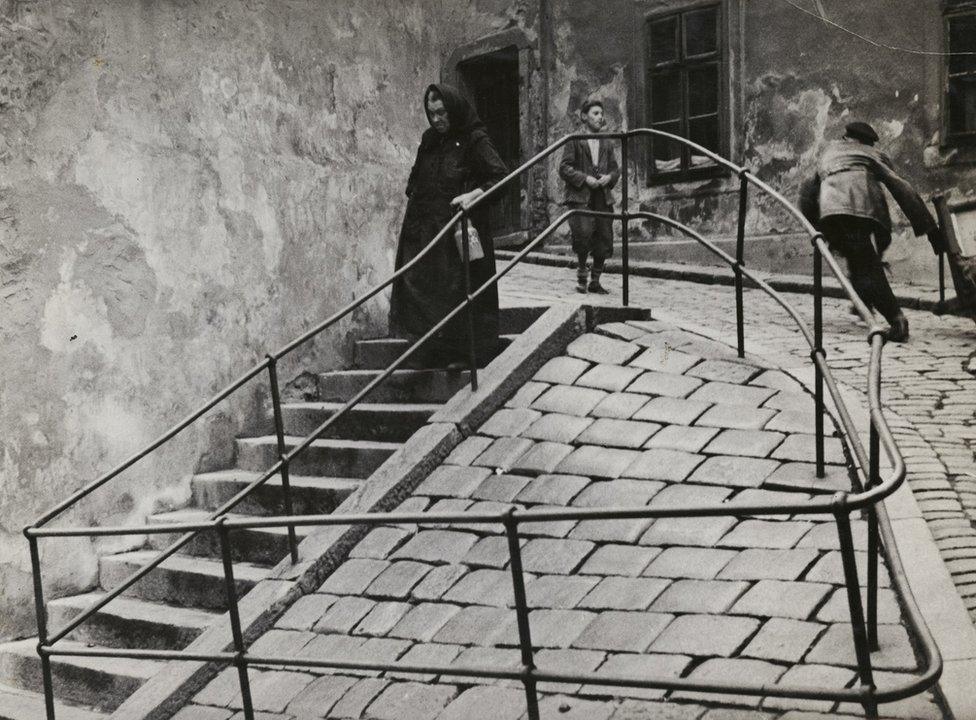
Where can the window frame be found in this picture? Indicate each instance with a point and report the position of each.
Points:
(950, 12)
(684, 64)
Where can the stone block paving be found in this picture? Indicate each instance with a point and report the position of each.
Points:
(928, 386)
(756, 599)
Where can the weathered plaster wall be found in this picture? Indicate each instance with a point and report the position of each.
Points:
(805, 80)
(184, 184)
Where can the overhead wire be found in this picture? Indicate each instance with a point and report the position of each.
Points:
(876, 43)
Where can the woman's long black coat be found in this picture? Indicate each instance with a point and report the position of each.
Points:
(447, 165)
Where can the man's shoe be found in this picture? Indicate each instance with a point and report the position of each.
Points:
(596, 287)
(898, 332)
(581, 285)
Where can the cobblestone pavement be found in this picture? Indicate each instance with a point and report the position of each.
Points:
(636, 414)
(928, 388)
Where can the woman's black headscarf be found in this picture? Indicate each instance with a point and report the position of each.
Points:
(461, 114)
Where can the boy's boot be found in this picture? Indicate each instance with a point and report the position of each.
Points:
(595, 286)
(899, 329)
(581, 278)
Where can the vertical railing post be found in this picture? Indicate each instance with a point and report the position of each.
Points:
(874, 478)
(861, 647)
(280, 434)
(740, 250)
(469, 314)
(818, 351)
(941, 306)
(41, 613)
(625, 214)
(235, 619)
(522, 615)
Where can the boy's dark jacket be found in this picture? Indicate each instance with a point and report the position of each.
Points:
(577, 164)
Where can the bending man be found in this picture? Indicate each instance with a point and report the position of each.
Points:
(844, 200)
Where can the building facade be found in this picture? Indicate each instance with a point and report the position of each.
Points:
(763, 82)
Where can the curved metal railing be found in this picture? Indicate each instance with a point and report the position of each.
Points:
(865, 497)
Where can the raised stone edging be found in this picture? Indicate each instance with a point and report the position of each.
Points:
(908, 296)
(324, 550)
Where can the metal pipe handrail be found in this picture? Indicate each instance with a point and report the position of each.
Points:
(856, 501)
(813, 507)
(216, 517)
(840, 505)
(484, 197)
(804, 692)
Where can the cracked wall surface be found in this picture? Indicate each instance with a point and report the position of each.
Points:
(184, 186)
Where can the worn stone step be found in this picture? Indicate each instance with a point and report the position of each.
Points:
(130, 623)
(181, 580)
(392, 422)
(408, 386)
(310, 495)
(326, 456)
(261, 546)
(100, 683)
(379, 353)
(20, 704)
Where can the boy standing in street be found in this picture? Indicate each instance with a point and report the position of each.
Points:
(590, 170)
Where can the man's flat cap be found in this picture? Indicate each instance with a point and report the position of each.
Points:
(861, 131)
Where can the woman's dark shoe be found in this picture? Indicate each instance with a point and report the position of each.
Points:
(596, 287)
(898, 332)
(581, 286)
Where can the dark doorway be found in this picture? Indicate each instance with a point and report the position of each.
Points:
(492, 83)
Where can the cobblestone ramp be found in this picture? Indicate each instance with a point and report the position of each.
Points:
(637, 413)
(928, 392)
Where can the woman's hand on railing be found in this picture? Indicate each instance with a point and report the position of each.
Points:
(464, 200)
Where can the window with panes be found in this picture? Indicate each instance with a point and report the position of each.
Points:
(684, 70)
(960, 86)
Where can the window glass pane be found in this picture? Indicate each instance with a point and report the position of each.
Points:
(665, 94)
(703, 131)
(701, 32)
(663, 40)
(666, 154)
(962, 105)
(962, 38)
(703, 89)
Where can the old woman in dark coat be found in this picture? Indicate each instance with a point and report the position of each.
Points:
(455, 164)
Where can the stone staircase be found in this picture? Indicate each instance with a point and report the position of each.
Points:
(175, 603)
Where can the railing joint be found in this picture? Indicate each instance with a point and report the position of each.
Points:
(839, 502)
(876, 330)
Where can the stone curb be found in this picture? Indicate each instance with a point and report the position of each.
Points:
(928, 579)
(167, 691)
(908, 296)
